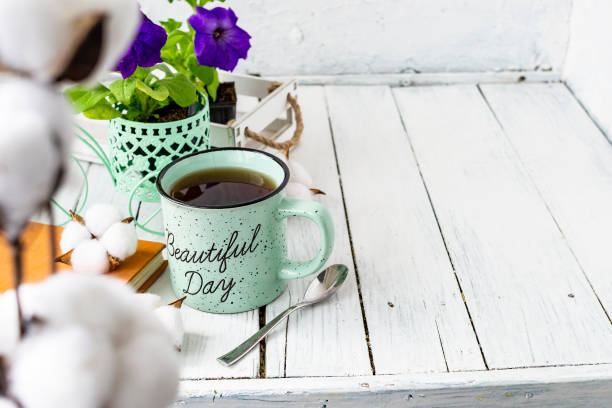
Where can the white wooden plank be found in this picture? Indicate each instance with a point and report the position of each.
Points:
(516, 269)
(338, 321)
(208, 336)
(416, 317)
(558, 387)
(145, 212)
(67, 195)
(570, 162)
(102, 190)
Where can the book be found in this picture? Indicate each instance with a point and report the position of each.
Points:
(139, 271)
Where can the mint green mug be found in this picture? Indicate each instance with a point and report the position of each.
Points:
(228, 259)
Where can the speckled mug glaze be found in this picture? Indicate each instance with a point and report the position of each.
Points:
(229, 259)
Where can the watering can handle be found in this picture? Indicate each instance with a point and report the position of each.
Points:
(143, 225)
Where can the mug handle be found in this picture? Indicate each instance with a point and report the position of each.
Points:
(291, 207)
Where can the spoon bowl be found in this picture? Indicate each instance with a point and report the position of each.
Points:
(326, 283)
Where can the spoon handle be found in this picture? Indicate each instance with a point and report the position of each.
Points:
(236, 354)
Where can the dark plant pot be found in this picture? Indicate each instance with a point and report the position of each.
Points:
(224, 108)
(173, 112)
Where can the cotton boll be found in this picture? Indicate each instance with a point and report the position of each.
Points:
(44, 30)
(23, 95)
(9, 335)
(149, 300)
(297, 190)
(99, 303)
(120, 240)
(49, 33)
(5, 403)
(147, 373)
(74, 233)
(33, 145)
(113, 325)
(90, 257)
(121, 27)
(171, 318)
(298, 173)
(100, 217)
(25, 188)
(69, 367)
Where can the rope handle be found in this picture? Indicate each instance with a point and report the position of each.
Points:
(299, 125)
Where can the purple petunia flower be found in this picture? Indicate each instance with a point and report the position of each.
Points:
(145, 50)
(219, 42)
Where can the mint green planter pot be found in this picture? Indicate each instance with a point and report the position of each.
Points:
(138, 150)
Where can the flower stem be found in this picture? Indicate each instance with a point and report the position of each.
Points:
(18, 273)
(52, 237)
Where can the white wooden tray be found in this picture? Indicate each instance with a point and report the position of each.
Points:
(476, 222)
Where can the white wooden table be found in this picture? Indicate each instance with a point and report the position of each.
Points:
(477, 223)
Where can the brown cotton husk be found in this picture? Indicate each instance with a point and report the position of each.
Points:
(33, 322)
(8, 70)
(76, 217)
(3, 377)
(114, 263)
(65, 258)
(316, 191)
(286, 153)
(127, 220)
(178, 303)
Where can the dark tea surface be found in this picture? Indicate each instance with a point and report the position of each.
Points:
(222, 187)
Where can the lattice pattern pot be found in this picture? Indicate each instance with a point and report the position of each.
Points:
(139, 150)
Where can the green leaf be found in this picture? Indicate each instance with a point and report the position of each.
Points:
(84, 99)
(201, 3)
(141, 73)
(202, 72)
(153, 75)
(164, 68)
(175, 38)
(102, 111)
(75, 92)
(200, 87)
(171, 25)
(182, 90)
(173, 52)
(212, 87)
(158, 92)
(123, 89)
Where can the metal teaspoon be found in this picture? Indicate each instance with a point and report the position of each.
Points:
(326, 284)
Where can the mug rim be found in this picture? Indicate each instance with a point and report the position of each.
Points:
(274, 192)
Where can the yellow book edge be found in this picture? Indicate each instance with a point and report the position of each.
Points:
(139, 271)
